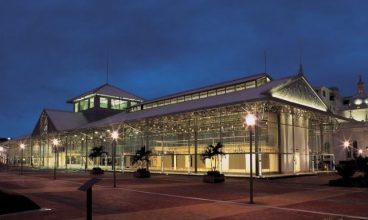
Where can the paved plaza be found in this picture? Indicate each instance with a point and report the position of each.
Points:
(184, 197)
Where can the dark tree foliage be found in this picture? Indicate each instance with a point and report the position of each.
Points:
(212, 152)
(142, 158)
(96, 152)
(347, 169)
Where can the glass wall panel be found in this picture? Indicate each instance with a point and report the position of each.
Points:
(84, 104)
(103, 102)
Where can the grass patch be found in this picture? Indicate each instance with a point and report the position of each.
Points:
(11, 202)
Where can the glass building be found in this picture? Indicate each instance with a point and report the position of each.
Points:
(293, 130)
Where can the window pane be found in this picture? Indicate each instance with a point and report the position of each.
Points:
(220, 91)
(119, 104)
(250, 84)
(188, 97)
(240, 87)
(76, 107)
(230, 89)
(174, 100)
(212, 93)
(261, 81)
(84, 104)
(92, 102)
(203, 95)
(195, 96)
(103, 102)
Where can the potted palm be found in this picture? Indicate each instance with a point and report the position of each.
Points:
(142, 160)
(95, 155)
(212, 153)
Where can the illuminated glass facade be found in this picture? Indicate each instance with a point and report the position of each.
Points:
(289, 137)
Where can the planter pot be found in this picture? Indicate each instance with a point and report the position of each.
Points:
(97, 171)
(142, 173)
(214, 178)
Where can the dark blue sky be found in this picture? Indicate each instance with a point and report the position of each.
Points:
(54, 50)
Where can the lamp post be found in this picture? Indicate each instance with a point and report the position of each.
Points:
(55, 142)
(250, 121)
(346, 146)
(115, 136)
(22, 146)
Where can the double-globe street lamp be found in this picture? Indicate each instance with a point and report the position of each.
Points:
(114, 136)
(22, 146)
(348, 148)
(250, 121)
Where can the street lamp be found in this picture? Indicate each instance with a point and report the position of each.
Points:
(115, 136)
(250, 121)
(22, 146)
(346, 145)
(55, 143)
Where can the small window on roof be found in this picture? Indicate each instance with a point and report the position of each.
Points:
(195, 96)
(174, 100)
(104, 102)
(220, 91)
(203, 95)
(167, 102)
(230, 89)
(240, 87)
(84, 104)
(118, 104)
(181, 99)
(212, 92)
(261, 81)
(188, 97)
(92, 102)
(76, 107)
(160, 103)
(251, 84)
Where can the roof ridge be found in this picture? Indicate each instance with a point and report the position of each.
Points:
(57, 110)
(129, 95)
(208, 86)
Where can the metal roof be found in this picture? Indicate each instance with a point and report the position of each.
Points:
(253, 94)
(63, 120)
(109, 90)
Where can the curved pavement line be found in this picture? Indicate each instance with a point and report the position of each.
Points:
(26, 212)
(240, 203)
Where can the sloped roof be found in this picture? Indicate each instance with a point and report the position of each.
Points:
(254, 94)
(213, 86)
(63, 120)
(110, 90)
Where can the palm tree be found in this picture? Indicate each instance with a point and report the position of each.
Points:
(212, 152)
(142, 158)
(96, 152)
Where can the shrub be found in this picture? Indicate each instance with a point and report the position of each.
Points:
(362, 165)
(346, 169)
(97, 171)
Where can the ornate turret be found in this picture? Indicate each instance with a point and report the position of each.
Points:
(360, 86)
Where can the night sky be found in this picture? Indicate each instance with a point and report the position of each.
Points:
(51, 50)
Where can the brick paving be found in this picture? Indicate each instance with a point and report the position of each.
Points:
(185, 197)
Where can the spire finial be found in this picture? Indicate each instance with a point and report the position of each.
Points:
(265, 61)
(301, 70)
(107, 66)
(360, 79)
